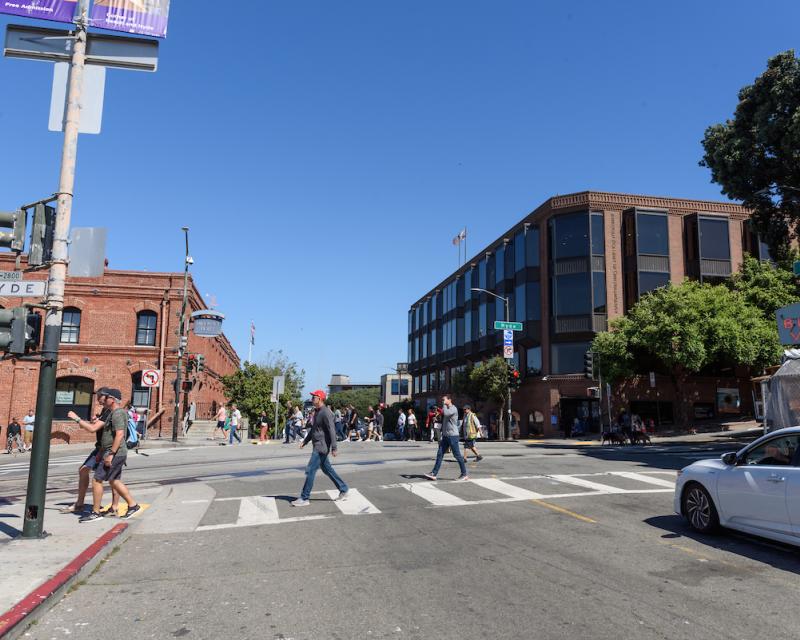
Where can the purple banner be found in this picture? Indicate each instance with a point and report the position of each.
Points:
(145, 17)
(58, 10)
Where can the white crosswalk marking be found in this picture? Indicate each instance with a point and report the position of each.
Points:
(506, 489)
(588, 484)
(258, 510)
(355, 504)
(433, 494)
(644, 478)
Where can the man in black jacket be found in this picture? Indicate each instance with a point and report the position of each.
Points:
(323, 436)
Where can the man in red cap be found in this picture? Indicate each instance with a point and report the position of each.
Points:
(323, 436)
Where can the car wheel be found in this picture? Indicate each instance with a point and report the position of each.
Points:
(699, 509)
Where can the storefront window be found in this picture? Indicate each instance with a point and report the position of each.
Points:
(73, 394)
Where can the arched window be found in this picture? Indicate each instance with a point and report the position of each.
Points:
(71, 325)
(73, 394)
(146, 322)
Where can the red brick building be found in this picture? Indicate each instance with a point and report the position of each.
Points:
(114, 327)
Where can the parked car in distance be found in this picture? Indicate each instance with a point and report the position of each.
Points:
(755, 490)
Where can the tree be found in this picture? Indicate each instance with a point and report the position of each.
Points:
(766, 286)
(754, 157)
(489, 380)
(251, 387)
(361, 399)
(683, 330)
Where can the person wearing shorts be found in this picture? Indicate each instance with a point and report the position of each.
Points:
(28, 422)
(472, 429)
(222, 417)
(112, 457)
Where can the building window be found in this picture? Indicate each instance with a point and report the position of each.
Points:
(598, 235)
(491, 272)
(532, 247)
(482, 320)
(533, 361)
(519, 251)
(649, 281)
(140, 395)
(714, 241)
(399, 387)
(482, 274)
(467, 285)
(73, 394)
(567, 357)
(533, 302)
(500, 264)
(71, 326)
(599, 291)
(519, 303)
(570, 236)
(652, 234)
(434, 306)
(515, 360)
(499, 309)
(146, 322)
(433, 342)
(572, 295)
(467, 326)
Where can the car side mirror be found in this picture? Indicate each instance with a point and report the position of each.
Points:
(730, 458)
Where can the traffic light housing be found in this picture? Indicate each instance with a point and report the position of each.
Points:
(191, 363)
(19, 330)
(588, 365)
(201, 362)
(42, 230)
(514, 378)
(16, 221)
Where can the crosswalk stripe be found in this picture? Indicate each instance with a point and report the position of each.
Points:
(355, 504)
(257, 510)
(588, 484)
(643, 478)
(433, 494)
(506, 489)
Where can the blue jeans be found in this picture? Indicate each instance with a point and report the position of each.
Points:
(340, 431)
(234, 434)
(401, 433)
(445, 443)
(322, 460)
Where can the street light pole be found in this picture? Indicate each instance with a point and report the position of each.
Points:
(33, 523)
(181, 330)
(508, 319)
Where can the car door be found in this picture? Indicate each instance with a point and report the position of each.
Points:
(753, 493)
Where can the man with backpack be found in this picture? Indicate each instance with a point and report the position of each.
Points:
(113, 453)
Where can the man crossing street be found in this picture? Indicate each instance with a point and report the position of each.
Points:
(449, 439)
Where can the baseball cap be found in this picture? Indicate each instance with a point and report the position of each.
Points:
(320, 394)
(114, 393)
(102, 391)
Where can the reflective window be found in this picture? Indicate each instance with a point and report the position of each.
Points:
(467, 326)
(714, 241)
(481, 274)
(425, 339)
(410, 321)
(482, 320)
(532, 247)
(491, 272)
(533, 301)
(73, 394)
(433, 342)
(468, 285)
(520, 314)
(499, 309)
(570, 235)
(434, 306)
(146, 328)
(648, 281)
(500, 264)
(572, 295)
(71, 325)
(140, 395)
(533, 361)
(515, 360)
(599, 291)
(598, 235)
(424, 313)
(652, 234)
(519, 251)
(567, 357)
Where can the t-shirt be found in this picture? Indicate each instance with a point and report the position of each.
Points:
(13, 429)
(263, 421)
(28, 422)
(117, 421)
(235, 417)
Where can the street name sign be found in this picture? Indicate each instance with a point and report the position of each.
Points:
(499, 325)
(151, 378)
(23, 288)
(10, 276)
(55, 45)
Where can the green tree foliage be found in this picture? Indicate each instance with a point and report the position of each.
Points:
(489, 380)
(765, 286)
(361, 399)
(683, 330)
(251, 387)
(758, 150)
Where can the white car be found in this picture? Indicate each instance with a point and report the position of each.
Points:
(756, 490)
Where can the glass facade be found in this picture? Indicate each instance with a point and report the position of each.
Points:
(500, 264)
(532, 247)
(714, 239)
(572, 295)
(519, 251)
(567, 357)
(570, 236)
(533, 361)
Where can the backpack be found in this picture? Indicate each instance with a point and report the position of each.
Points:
(133, 435)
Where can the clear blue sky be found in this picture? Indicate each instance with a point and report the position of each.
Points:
(325, 153)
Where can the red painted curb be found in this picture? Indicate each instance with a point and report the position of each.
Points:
(20, 611)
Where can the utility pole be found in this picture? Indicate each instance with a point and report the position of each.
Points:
(33, 524)
(181, 340)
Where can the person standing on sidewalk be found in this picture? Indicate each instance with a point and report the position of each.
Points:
(28, 422)
(263, 425)
(449, 439)
(113, 457)
(401, 426)
(323, 436)
(472, 429)
(14, 436)
(236, 418)
(411, 423)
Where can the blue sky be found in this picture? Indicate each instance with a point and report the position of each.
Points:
(325, 153)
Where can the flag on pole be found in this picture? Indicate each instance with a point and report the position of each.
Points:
(462, 235)
(252, 332)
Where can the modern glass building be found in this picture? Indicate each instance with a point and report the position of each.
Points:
(565, 269)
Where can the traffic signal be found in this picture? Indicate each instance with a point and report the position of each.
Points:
(201, 362)
(588, 365)
(191, 362)
(16, 221)
(42, 229)
(16, 335)
(514, 379)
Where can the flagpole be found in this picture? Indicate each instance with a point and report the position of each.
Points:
(465, 245)
(250, 344)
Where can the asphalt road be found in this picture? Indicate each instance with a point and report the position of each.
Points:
(545, 542)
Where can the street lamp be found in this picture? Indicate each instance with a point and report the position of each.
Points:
(182, 341)
(505, 300)
(767, 191)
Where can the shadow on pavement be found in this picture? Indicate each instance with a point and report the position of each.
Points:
(778, 555)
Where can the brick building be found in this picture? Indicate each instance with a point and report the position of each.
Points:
(114, 327)
(568, 267)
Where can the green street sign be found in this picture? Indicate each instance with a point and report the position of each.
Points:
(499, 325)
(796, 267)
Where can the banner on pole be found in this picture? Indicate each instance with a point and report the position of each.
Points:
(57, 10)
(145, 17)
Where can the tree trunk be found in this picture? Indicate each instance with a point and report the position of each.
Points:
(679, 377)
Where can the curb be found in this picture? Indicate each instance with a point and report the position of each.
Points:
(18, 618)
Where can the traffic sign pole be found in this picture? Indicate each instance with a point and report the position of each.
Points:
(33, 524)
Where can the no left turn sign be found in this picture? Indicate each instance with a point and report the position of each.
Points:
(151, 378)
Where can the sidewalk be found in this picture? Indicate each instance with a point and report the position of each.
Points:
(37, 572)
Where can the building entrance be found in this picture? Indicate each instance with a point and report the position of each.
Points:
(579, 416)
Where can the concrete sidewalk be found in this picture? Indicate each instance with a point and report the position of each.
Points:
(37, 572)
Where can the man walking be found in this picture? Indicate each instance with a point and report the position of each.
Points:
(113, 457)
(323, 436)
(449, 439)
(221, 418)
(472, 429)
(236, 418)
